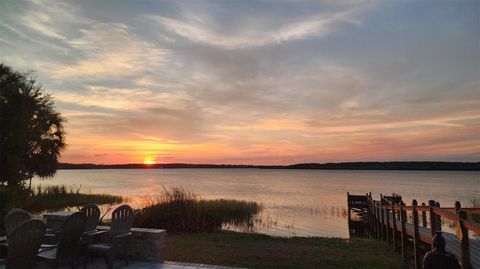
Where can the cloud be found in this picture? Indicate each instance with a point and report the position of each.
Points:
(121, 99)
(262, 33)
(115, 112)
(207, 79)
(40, 22)
(110, 50)
(51, 18)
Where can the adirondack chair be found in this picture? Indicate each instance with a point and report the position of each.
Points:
(68, 241)
(14, 218)
(23, 245)
(118, 237)
(92, 214)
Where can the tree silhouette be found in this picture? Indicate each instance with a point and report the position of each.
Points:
(31, 131)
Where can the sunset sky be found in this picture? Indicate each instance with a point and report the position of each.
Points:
(254, 82)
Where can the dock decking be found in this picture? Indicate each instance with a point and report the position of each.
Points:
(387, 220)
(453, 245)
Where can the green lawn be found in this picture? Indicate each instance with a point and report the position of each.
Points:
(261, 251)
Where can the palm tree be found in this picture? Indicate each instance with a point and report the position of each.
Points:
(31, 131)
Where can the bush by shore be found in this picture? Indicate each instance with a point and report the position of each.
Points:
(178, 210)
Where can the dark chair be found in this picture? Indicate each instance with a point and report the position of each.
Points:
(23, 245)
(118, 237)
(68, 241)
(14, 218)
(92, 214)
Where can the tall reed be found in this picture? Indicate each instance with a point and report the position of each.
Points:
(475, 201)
(178, 210)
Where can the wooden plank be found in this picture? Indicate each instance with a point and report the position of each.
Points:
(403, 221)
(394, 229)
(382, 230)
(424, 217)
(463, 237)
(382, 219)
(356, 200)
(469, 210)
(387, 227)
(416, 237)
(373, 231)
(433, 218)
(439, 218)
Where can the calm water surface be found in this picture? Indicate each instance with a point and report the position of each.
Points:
(296, 202)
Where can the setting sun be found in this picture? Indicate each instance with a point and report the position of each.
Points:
(149, 160)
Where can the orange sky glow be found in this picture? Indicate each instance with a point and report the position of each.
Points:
(247, 82)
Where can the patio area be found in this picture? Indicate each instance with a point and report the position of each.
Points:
(100, 264)
(144, 247)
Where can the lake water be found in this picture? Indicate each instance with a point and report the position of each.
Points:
(296, 202)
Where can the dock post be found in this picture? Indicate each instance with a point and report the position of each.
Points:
(404, 236)
(416, 236)
(424, 217)
(374, 218)
(394, 229)
(387, 222)
(439, 218)
(370, 217)
(348, 211)
(462, 234)
(379, 222)
(382, 219)
(433, 218)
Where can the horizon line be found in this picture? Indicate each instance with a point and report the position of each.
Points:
(236, 164)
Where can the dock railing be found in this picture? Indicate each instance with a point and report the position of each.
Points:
(387, 219)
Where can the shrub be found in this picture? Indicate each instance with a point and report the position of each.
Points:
(178, 211)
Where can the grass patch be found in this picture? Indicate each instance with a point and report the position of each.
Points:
(178, 210)
(262, 251)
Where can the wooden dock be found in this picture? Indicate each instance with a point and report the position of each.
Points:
(410, 229)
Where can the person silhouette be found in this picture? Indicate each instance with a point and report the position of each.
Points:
(438, 257)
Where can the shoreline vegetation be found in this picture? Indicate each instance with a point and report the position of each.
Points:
(414, 166)
(49, 198)
(180, 211)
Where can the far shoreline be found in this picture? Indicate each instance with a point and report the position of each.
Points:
(400, 166)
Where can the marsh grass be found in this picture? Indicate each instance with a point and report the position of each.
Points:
(475, 202)
(48, 198)
(59, 197)
(178, 210)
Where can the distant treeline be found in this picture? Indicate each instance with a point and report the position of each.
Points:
(439, 166)
(431, 166)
